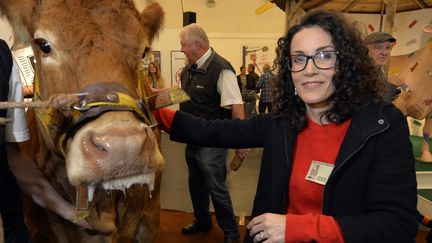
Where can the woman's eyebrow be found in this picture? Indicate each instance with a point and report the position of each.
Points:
(325, 47)
(317, 50)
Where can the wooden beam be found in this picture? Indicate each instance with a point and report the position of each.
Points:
(349, 6)
(420, 3)
(390, 16)
(287, 14)
(293, 13)
(313, 4)
(294, 10)
(389, 22)
(383, 4)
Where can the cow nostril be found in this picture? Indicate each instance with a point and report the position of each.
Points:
(100, 142)
(100, 148)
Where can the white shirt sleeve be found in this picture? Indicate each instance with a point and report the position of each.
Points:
(17, 130)
(228, 89)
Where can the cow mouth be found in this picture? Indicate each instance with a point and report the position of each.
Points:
(121, 184)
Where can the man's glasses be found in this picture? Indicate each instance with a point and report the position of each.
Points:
(322, 60)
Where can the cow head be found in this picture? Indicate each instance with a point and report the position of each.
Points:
(78, 45)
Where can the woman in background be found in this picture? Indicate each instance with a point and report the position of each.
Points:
(154, 78)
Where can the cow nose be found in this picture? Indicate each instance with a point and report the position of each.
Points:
(116, 142)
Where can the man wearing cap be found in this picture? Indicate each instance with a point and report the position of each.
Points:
(380, 45)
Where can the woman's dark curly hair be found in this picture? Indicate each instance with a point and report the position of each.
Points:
(356, 80)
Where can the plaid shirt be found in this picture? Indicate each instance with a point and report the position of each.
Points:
(265, 83)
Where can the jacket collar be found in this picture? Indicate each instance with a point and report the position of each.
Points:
(369, 120)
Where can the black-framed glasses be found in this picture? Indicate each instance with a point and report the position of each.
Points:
(321, 60)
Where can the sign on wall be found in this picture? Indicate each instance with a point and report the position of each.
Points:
(178, 62)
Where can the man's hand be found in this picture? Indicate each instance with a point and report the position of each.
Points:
(242, 153)
(35, 185)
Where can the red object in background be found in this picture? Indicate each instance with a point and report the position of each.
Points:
(371, 28)
(414, 22)
(413, 67)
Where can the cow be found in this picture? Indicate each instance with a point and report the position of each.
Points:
(415, 100)
(102, 156)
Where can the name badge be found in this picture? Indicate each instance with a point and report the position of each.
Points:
(319, 172)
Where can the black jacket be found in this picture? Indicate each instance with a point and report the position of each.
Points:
(372, 190)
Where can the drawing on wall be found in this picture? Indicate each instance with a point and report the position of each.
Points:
(151, 56)
(258, 55)
(178, 62)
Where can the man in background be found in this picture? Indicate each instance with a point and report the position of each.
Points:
(380, 45)
(241, 78)
(14, 228)
(18, 173)
(266, 86)
(211, 83)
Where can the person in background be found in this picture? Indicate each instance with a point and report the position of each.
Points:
(154, 78)
(266, 86)
(241, 78)
(337, 163)
(380, 45)
(251, 78)
(18, 172)
(210, 82)
(250, 93)
(14, 228)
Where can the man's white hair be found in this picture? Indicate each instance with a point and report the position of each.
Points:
(196, 32)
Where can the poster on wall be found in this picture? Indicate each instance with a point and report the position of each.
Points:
(24, 57)
(151, 56)
(178, 62)
(258, 55)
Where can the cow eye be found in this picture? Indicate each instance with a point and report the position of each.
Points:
(43, 45)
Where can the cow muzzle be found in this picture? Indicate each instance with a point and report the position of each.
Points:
(107, 143)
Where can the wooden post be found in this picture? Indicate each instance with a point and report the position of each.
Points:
(390, 16)
(389, 22)
(287, 14)
(293, 13)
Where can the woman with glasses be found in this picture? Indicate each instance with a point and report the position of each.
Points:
(337, 164)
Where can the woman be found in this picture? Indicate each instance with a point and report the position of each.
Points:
(154, 78)
(337, 163)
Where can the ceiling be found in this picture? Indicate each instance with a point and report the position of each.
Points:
(357, 6)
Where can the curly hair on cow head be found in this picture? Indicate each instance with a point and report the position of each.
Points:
(357, 80)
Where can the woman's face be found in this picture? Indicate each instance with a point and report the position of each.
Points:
(152, 68)
(314, 86)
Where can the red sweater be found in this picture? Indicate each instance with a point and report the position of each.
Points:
(304, 221)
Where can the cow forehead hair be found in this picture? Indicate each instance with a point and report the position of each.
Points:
(105, 24)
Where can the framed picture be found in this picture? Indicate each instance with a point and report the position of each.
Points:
(151, 56)
(178, 62)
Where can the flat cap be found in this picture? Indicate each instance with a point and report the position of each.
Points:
(378, 37)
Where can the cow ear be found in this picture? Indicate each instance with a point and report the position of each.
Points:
(153, 19)
(20, 15)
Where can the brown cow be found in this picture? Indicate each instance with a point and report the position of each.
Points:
(106, 156)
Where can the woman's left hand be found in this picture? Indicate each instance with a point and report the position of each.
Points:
(268, 228)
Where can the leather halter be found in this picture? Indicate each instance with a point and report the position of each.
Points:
(94, 100)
